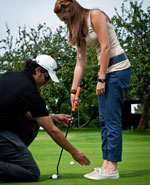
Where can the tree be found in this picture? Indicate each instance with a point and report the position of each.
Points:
(36, 41)
(41, 40)
(133, 30)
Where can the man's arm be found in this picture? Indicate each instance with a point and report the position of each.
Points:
(64, 119)
(28, 115)
(59, 138)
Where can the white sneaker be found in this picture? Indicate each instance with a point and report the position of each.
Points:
(110, 175)
(96, 170)
(102, 174)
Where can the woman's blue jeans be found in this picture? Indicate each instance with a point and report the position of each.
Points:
(110, 112)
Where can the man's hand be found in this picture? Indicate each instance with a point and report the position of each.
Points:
(81, 158)
(47, 123)
(63, 119)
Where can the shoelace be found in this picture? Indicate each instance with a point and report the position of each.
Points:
(97, 170)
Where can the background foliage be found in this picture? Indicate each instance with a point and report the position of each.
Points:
(57, 96)
(133, 30)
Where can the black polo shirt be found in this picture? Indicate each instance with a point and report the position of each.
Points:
(18, 95)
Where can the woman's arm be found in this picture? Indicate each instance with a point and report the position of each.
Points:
(79, 69)
(80, 66)
(99, 21)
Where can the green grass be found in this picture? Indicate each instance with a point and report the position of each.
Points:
(134, 169)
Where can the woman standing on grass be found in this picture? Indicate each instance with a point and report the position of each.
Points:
(93, 27)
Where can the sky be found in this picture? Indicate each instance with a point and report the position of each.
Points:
(30, 13)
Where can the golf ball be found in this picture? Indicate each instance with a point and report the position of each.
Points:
(71, 163)
(54, 176)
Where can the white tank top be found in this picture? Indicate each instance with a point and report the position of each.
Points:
(115, 47)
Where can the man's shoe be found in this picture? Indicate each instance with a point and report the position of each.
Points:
(102, 174)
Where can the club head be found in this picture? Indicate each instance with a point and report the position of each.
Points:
(54, 176)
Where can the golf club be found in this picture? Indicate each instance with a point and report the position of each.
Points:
(57, 176)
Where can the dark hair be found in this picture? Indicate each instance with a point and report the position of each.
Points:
(30, 65)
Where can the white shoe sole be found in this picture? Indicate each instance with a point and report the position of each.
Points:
(102, 178)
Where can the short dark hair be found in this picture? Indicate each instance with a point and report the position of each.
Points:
(30, 65)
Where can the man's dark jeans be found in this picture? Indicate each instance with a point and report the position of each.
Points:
(16, 161)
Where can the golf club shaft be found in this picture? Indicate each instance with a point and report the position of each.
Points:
(73, 109)
(62, 148)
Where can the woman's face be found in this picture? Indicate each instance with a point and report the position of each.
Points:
(63, 16)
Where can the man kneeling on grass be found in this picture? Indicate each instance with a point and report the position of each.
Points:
(22, 111)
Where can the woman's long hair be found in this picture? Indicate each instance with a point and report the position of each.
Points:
(77, 25)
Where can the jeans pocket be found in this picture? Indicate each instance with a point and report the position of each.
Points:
(112, 77)
(125, 77)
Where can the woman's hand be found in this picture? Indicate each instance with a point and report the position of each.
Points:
(100, 88)
(73, 99)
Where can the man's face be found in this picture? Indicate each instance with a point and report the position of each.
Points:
(41, 78)
(46, 76)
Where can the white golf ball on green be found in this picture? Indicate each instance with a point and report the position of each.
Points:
(71, 163)
(54, 176)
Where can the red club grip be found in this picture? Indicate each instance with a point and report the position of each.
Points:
(77, 95)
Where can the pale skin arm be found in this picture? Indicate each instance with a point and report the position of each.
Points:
(79, 69)
(47, 123)
(99, 22)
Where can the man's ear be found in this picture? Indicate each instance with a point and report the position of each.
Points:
(37, 70)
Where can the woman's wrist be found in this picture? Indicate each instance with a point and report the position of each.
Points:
(73, 91)
(102, 80)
